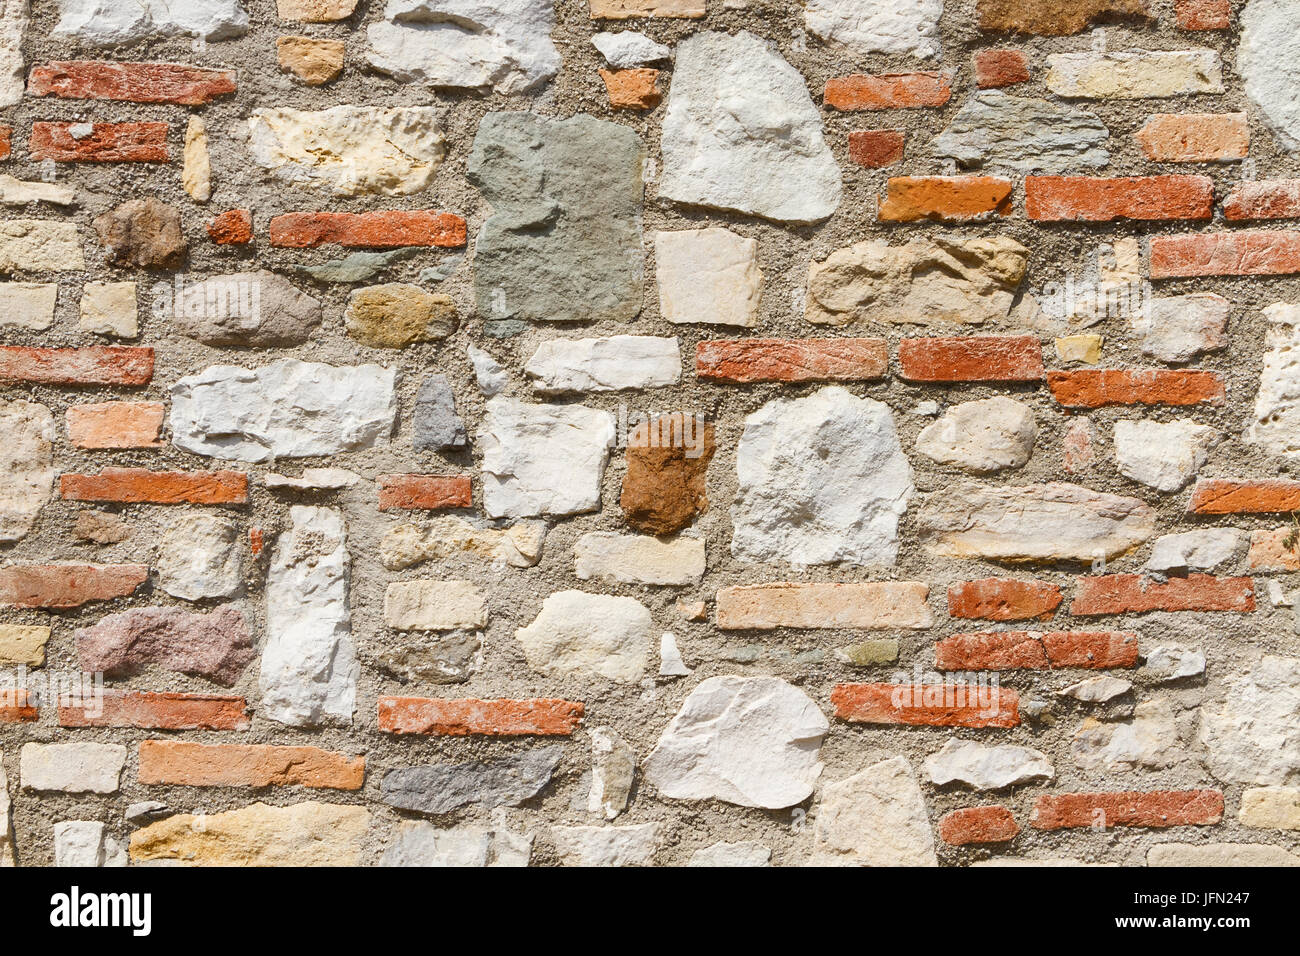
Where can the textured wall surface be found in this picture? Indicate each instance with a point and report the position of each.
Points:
(654, 432)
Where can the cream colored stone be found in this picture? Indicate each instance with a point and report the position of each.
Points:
(72, 767)
(434, 606)
(39, 245)
(874, 605)
(626, 9)
(196, 174)
(23, 644)
(708, 276)
(28, 305)
(314, 60)
(874, 818)
(1085, 348)
(638, 559)
(26, 466)
(19, 192)
(599, 634)
(1273, 808)
(519, 546)
(1149, 740)
(1220, 854)
(6, 830)
(305, 834)
(350, 150)
(109, 308)
(315, 11)
(1134, 74)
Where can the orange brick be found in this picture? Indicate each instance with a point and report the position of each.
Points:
(791, 360)
(1195, 137)
(1226, 496)
(6, 141)
(186, 764)
(1203, 14)
(1263, 199)
(97, 365)
(234, 227)
(1036, 650)
(68, 585)
(1136, 594)
(490, 718)
(1003, 599)
(994, 824)
(374, 230)
(874, 148)
(141, 486)
(106, 143)
(16, 707)
(1250, 252)
(971, 358)
(932, 705)
(424, 492)
(1269, 550)
(151, 711)
(1129, 808)
(1096, 199)
(116, 425)
(1055, 18)
(995, 69)
(632, 89)
(136, 82)
(1099, 387)
(945, 198)
(886, 91)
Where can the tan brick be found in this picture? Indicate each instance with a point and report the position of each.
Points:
(884, 604)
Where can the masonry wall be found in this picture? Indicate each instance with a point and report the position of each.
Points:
(858, 432)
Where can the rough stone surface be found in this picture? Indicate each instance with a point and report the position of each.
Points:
(1249, 729)
(1134, 74)
(26, 466)
(667, 464)
(199, 557)
(422, 844)
(108, 308)
(745, 853)
(1220, 855)
(981, 436)
(434, 606)
(39, 245)
(1276, 427)
(519, 545)
(874, 818)
(628, 48)
(1177, 328)
(96, 23)
(507, 781)
(314, 60)
(995, 130)
(304, 834)
(1165, 456)
(708, 276)
(1170, 663)
(613, 767)
(604, 365)
(83, 843)
(1149, 740)
(1097, 690)
(1267, 60)
(144, 233)
(1202, 550)
(876, 26)
(1274, 808)
(599, 634)
(72, 767)
(638, 559)
(28, 305)
(394, 315)
(216, 645)
(606, 846)
(244, 308)
(437, 426)
(987, 767)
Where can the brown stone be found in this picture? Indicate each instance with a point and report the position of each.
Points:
(312, 59)
(1052, 17)
(663, 489)
(142, 232)
(394, 315)
(99, 527)
(215, 645)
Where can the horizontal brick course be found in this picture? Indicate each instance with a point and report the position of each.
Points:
(424, 492)
(931, 705)
(136, 82)
(93, 365)
(490, 718)
(1034, 650)
(142, 486)
(67, 585)
(1003, 599)
(99, 143)
(1156, 808)
(974, 358)
(1096, 199)
(1225, 496)
(742, 361)
(1257, 252)
(187, 764)
(978, 825)
(116, 425)
(887, 91)
(159, 711)
(1098, 388)
(373, 230)
(1135, 594)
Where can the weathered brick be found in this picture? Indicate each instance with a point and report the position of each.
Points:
(945, 198)
(1203, 14)
(1035, 650)
(1252, 252)
(972, 358)
(159, 711)
(491, 718)
(1226, 496)
(139, 485)
(632, 89)
(995, 824)
(96, 365)
(1097, 199)
(1129, 808)
(234, 227)
(1269, 550)
(68, 585)
(1054, 18)
(99, 142)
(6, 141)
(874, 148)
(18, 707)
(1195, 137)
(886, 91)
(375, 230)
(995, 69)
(934, 705)
(877, 604)
(1263, 199)
(1097, 388)
(1136, 594)
(791, 360)
(116, 425)
(424, 492)
(1003, 599)
(187, 764)
(136, 82)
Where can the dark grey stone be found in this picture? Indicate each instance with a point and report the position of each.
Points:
(437, 425)
(508, 781)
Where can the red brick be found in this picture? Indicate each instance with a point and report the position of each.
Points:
(1128, 808)
(1135, 594)
(1263, 199)
(1036, 650)
(186, 764)
(995, 824)
(374, 230)
(107, 143)
(1273, 549)
(256, 541)
(1003, 599)
(998, 68)
(1250, 252)
(930, 705)
(491, 718)
(116, 425)
(68, 585)
(1195, 137)
(945, 198)
(972, 358)
(16, 707)
(234, 227)
(6, 141)
(150, 711)
(96, 365)
(141, 486)
(874, 148)
(1203, 14)
(136, 82)
(1227, 496)
(632, 89)
(1099, 387)
(791, 360)
(1096, 199)
(424, 492)
(885, 91)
